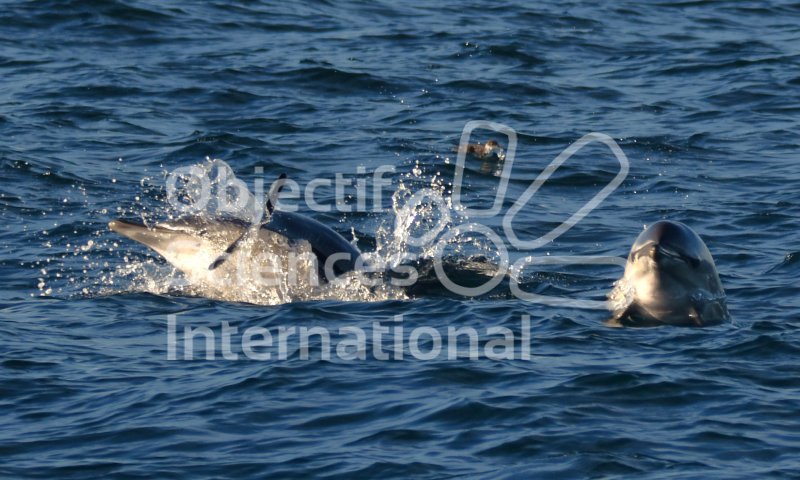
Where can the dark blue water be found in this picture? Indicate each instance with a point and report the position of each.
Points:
(101, 99)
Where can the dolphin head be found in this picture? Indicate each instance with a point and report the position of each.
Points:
(189, 244)
(670, 278)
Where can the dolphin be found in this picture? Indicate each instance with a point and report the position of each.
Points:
(191, 244)
(670, 279)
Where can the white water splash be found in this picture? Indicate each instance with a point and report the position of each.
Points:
(421, 214)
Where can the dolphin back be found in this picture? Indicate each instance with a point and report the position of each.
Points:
(324, 241)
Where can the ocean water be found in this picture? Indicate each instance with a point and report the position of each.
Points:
(102, 100)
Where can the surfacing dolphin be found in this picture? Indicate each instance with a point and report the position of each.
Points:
(670, 279)
(191, 244)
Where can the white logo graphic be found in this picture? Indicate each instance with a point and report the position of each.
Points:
(508, 226)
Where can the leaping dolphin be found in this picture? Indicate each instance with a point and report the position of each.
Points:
(191, 244)
(670, 279)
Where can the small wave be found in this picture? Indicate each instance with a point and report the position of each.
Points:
(336, 81)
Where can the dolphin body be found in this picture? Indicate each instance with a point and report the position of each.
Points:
(191, 244)
(670, 279)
